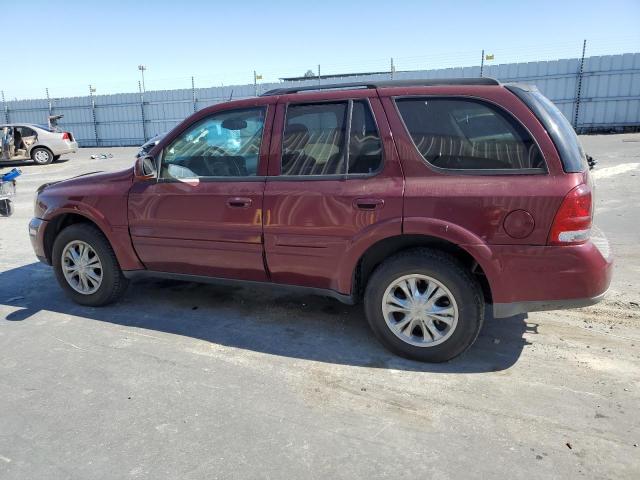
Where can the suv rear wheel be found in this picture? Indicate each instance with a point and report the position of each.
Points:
(424, 305)
(86, 267)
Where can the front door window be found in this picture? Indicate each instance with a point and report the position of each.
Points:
(225, 144)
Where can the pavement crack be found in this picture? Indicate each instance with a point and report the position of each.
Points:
(70, 344)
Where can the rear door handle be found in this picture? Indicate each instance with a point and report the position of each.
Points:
(239, 202)
(369, 203)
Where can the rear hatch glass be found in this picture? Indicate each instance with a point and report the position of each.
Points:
(560, 130)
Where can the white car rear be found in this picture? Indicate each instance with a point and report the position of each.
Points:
(37, 142)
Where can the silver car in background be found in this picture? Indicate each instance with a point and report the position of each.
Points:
(41, 143)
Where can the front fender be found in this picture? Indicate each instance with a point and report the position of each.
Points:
(117, 235)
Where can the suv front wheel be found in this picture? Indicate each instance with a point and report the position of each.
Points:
(86, 266)
(424, 305)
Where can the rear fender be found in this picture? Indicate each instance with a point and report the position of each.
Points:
(463, 238)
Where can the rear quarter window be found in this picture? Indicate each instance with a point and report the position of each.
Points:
(469, 136)
(560, 130)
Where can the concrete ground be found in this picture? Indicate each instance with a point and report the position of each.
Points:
(193, 381)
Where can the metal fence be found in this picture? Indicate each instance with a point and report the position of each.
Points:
(595, 93)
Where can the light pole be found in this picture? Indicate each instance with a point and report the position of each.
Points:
(142, 68)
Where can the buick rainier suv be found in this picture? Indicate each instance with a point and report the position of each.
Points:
(434, 202)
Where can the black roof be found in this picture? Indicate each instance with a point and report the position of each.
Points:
(385, 83)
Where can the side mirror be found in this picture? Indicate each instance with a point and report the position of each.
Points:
(145, 168)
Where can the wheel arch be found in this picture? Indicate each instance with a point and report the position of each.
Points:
(44, 147)
(59, 223)
(385, 248)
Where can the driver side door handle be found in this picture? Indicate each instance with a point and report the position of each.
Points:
(368, 203)
(239, 202)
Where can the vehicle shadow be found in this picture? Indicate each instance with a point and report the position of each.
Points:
(267, 320)
(28, 163)
(16, 163)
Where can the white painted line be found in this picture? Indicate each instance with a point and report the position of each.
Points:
(613, 171)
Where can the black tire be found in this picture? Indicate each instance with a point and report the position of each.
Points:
(6, 208)
(449, 272)
(41, 156)
(113, 283)
(56, 158)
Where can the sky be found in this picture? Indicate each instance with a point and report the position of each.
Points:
(70, 45)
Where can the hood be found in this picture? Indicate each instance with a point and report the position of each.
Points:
(91, 178)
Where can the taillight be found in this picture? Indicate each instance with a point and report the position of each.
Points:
(66, 136)
(572, 223)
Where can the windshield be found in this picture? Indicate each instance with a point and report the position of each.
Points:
(560, 130)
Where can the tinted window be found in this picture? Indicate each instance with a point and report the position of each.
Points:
(226, 144)
(365, 147)
(562, 133)
(313, 141)
(26, 131)
(468, 135)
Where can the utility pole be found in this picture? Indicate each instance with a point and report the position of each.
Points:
(482, 63)
(93, 114)
(193, 94)
(5, 108)
(49, 102)
(255, 83)
(579, 88)
(392, 69)
(144, 128)
(318, 74)
(142, 68)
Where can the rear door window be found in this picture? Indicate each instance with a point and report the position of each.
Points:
(314, 140)
(365, 146)
(470, 135)
(26, 132)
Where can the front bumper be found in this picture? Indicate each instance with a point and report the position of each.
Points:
(36, 235)
(552, 277)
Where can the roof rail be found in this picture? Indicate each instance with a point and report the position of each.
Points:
(430, 82)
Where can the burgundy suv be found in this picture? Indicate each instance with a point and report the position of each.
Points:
(427, 200)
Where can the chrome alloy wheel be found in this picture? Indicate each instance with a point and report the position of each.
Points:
(420, 310)
(81, 267)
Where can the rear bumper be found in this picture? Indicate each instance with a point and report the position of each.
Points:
(66, 147)
(36, 235)
(503, 310)
(551, 278)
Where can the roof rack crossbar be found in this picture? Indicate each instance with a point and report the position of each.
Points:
(389, 83)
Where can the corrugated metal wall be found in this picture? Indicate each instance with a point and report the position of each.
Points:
(609, 99)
